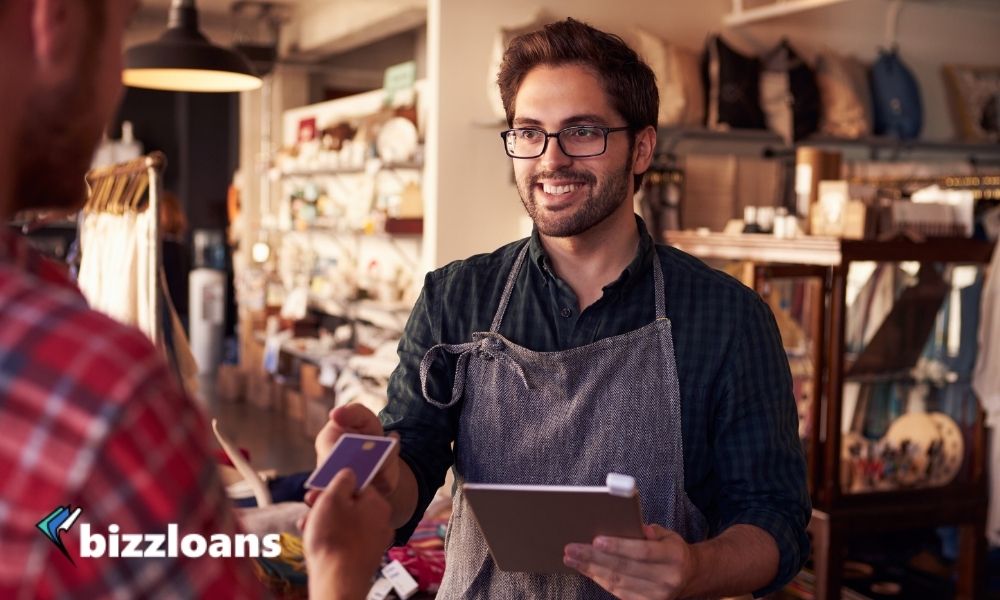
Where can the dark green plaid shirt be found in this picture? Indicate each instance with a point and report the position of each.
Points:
(743, 461)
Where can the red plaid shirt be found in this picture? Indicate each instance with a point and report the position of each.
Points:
(90, 417)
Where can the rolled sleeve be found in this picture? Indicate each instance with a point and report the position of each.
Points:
(757, 450)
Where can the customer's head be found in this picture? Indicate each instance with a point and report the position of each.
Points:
(16, 71)
(77, 48)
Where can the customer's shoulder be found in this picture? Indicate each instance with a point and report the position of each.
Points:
(479, 266)
(61, 342)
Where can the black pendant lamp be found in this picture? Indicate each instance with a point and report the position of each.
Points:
(184, 60)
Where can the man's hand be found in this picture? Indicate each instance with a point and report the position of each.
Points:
(355, 418)
(661, 566)
(344, 538)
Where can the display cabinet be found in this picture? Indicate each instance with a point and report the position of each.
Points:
(881, 338)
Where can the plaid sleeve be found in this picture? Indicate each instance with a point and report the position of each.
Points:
(155, 469)
(757, 450)
(425, 432)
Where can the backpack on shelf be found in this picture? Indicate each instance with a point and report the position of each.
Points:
(895, 97)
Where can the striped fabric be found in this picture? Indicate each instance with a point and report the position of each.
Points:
(743, 462)
(89, 417)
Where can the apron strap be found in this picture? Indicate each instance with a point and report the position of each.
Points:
(661, 303)
(505, 298)
(486, 348)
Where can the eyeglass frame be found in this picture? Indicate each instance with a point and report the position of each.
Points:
(545, 144)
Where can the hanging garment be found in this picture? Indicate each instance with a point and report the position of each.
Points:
(986, 383)
(117, 267)
(562, 418)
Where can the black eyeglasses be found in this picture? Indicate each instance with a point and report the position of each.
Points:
(576, 142)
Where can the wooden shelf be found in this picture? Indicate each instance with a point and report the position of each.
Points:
(746, 16)
(824, 251)
(757, 247)
(334, 171)
(767, 143)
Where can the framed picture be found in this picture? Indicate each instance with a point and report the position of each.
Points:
(974, 94)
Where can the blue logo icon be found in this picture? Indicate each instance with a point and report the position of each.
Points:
(59, 520)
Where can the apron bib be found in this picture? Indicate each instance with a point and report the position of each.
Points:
(562, 418)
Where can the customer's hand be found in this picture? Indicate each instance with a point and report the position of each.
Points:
(345, 537)
(355, 418)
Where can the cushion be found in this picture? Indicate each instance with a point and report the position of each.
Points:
(678, 80)
(846, 100)
(789, 95)
(975, 101)
(732, 86)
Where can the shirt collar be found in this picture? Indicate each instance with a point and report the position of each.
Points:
(638, 266)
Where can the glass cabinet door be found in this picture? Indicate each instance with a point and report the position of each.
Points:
(908, 411)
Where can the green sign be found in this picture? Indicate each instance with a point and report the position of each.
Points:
(399, 77)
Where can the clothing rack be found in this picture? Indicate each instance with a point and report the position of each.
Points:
(120, 189)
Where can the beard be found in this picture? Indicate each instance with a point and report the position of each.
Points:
(602, 200)
(56, 143)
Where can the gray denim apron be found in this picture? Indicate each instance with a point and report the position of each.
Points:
(563, 418)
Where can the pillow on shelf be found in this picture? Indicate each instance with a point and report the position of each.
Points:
(789, 95)
(732, 87)
(678, 80)
(846, 100)
(974, 93)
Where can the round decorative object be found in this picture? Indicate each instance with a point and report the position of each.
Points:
(397, 140)
(910, 436)
(946, 460)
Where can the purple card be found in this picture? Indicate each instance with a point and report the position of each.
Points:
(363, 454)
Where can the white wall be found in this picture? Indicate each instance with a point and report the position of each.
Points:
(478, 208)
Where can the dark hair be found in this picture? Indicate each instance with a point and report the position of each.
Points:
(626, 79)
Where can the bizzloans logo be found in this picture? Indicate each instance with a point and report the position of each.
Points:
(154, 545)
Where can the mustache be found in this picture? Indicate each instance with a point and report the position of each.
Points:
(582, 176)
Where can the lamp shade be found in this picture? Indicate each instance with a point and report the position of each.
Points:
(184, 60)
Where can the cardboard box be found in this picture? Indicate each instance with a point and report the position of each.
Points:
(295, 405)
(316, 415)
(230, 384)
(309, 381)
(260, 391)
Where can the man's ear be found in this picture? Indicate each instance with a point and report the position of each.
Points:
(53, 30)
(643, 150)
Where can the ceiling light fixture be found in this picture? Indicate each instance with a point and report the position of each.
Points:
(184, 60)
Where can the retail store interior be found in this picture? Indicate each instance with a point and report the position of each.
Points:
(856, 189)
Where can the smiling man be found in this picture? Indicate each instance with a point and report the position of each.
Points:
(587, 349)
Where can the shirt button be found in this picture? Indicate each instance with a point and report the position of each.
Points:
(566, 313)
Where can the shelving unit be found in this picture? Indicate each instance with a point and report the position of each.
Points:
(767, 144)
(334, 171)
(740, 15)
(839, 514)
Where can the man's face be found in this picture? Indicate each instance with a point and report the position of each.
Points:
(68, 110)
(566, 196)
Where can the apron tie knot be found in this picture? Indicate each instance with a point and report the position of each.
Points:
(485, 347)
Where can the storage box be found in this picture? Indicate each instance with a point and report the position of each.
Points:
(295, 405)
(263, 392)
(317, 414)
(230, 384)
(309, 381)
